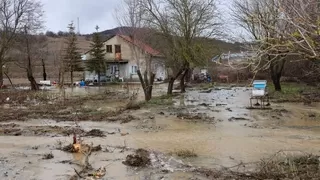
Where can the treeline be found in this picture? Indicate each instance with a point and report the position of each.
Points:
(58, 34)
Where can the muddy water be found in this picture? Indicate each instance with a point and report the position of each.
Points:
(229, 142)
(259, 134)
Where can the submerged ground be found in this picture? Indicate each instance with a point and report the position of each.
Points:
(197, 135)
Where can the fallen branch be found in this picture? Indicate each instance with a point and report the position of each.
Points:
(77, 173)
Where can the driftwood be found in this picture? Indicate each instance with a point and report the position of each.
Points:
(85, 166)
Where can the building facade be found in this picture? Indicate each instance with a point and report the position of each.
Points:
(124, 56)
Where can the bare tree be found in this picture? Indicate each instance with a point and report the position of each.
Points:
(281, 30)
(180, 23)
(30, 51)
(14, 16)
(132, 17)
(6, 73)
(44, 72)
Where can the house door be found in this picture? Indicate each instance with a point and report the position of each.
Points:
(115, 70)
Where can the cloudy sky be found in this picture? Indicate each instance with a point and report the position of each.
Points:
(59, 13)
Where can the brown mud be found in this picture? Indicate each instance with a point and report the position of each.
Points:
(215, 127)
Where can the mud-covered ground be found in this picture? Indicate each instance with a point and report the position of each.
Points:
(202, 134)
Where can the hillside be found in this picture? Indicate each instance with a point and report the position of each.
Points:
(56, 46)
(143, 32)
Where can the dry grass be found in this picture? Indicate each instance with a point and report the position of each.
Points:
(23, 105)
(55, 49)
(280, 166)
(184, 153)
(289, 167)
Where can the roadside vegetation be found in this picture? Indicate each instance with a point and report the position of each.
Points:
(295, 92)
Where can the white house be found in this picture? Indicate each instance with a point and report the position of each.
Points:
(123, 58)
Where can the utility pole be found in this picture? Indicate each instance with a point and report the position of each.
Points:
(78, 26)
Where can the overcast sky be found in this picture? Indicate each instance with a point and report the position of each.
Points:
(59, 13)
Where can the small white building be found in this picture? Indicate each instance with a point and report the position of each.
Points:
(123, 58)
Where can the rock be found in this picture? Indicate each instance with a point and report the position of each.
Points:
(161, 113)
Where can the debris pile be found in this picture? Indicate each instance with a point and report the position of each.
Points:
(95, 133)
(141, 158)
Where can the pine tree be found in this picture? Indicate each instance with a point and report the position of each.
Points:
(97, 61)
(72, 59)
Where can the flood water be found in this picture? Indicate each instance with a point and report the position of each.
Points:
(238, 135)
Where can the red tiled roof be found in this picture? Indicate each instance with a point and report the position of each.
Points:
(148, 49)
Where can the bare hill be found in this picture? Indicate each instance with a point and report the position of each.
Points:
(55, 50)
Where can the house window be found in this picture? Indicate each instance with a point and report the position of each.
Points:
(117, 48)
(134, 69)
(109, 48)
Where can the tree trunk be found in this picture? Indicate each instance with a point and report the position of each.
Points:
(99, 78)
(150, 88)
(8, 79)
(189, 75)
(170, 85)
(59, 77)
(182, 81)
(71, 77)
(146, 85)
(276, 82)
(1, 76)
(33, 83)
(172, 79)
(44, 73)
(276, 68)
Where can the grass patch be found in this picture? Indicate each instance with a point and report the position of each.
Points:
(206, 85)
(290, 92)
(184, 153)
(165, 100)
